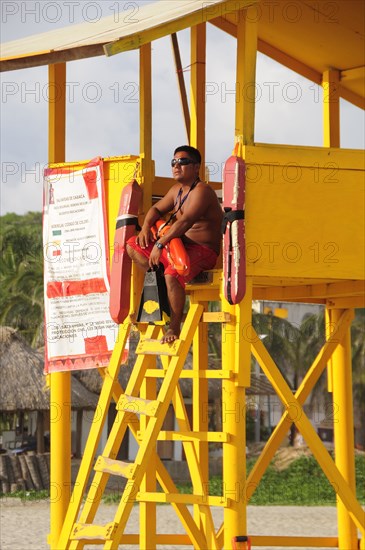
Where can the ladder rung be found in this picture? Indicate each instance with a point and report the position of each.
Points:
(169, 435)
(85, 531)
(216, 317)
(115, 467)
(148, 346)
(138, 405)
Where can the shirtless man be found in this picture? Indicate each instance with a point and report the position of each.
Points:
(196, 216)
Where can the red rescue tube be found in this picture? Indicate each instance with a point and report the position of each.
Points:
(175, 249)
(120, 278)
(233, 228)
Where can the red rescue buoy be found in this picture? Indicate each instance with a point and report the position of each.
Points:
(233, 228)
(120, 277)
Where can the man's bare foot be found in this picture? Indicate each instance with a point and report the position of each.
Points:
(170, 336)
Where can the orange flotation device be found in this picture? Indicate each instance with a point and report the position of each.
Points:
(175, 249)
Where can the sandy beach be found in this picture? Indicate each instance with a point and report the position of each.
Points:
(25, 525)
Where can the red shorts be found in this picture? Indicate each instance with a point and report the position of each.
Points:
(201, 258)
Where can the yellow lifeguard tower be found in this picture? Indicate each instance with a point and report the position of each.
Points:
(305, 242)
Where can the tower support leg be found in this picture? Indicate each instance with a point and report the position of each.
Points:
(236, 355)
(344, 431)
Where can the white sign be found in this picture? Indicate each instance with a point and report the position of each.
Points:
(80, 333)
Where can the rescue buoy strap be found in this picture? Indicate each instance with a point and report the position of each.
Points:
(128, 221)
(231, 216)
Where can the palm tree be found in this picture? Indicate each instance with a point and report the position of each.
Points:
(21, 275)
(293, 348)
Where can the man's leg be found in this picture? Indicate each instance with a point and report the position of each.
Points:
(139, 259)
(176, 295)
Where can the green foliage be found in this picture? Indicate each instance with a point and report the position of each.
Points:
(33, 496)
(21, 275)
(302, 483)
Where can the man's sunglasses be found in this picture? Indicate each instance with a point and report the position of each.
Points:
(183, 161)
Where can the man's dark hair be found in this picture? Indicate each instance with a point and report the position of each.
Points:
(192, 152)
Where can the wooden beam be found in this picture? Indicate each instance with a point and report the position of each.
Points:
(57, 113)
(205, 13)
(197, 91)
(60, 384)
(181, 82)
(331, 108)
(246, 77)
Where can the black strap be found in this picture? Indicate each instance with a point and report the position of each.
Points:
(231, 216)
(128, 221)
(182, 200)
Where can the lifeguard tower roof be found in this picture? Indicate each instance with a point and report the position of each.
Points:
(308, 37)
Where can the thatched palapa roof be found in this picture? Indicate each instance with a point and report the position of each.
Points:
(23, 381)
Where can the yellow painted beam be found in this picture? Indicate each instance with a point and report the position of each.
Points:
(346, 303)
(60, 382)
(316, 158)
(202, 513)
(212, 373)
(166, 393)
(353, 74)
(202, 500)
(145, 105)
(200, 419)
(236, 354)
(343, 427)
(301, 395)
(298, 542)
(297, 415)
(329, 327)
(217, 437)
(226, 25)
(290, 62)
(271, 51)
(331, 108)
(246, 76)
(353, 98)
(93, 438)
(204, 14)
(197, 91)
(346, 290)
(147, 510)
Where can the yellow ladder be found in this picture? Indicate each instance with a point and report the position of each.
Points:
(78, 528)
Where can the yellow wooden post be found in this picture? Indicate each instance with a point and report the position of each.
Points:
(236, 344)
(147, 517)
(246, 75)
(236, 355)
(145, 118)
(331, 108)
(145, 102)
(60, 382)
(344, 431)
(200, 409)
(145, 146)
(197, 95)
(328, 331)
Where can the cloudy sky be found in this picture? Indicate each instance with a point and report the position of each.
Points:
(102, 108)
